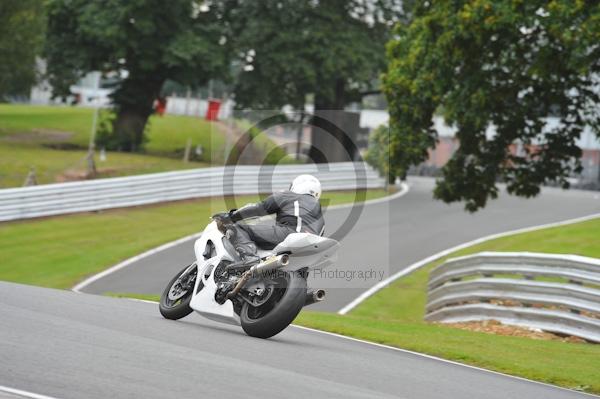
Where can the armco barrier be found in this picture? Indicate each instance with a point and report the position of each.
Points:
(91, 195)
(503, 286)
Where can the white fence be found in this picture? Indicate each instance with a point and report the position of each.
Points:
(566, 300)
(196, 107)
(55, 199)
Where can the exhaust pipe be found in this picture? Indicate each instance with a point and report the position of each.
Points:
(271, 263)
(268, 264)
(314, 296)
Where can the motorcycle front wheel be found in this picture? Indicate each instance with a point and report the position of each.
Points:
(175, 300)
(284, 304)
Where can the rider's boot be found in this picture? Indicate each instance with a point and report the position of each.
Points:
(247, 252)
(245, 248)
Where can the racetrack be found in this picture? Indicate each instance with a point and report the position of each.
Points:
(68, 345)
(388, 237)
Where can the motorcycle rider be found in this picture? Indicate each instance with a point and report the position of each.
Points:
(298, 210)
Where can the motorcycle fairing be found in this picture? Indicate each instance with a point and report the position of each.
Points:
(305, 251)
(204, 302)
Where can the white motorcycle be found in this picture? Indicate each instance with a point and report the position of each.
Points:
(264, 297)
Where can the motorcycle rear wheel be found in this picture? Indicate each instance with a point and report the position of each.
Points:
(175, 309)
(272, 317)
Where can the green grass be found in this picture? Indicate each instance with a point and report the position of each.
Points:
(58, 252)
(569, 365)
(169, 134)
(50, 165)
(260, 140)
(166, 134)
(394, 316)
(53, 140)
(16, 119)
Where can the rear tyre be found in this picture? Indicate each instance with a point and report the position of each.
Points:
(276, 314)
(175, 300)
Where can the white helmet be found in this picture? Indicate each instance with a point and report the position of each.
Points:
(306, 184)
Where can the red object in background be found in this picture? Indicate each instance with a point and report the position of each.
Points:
(212, 112)
(160, 106)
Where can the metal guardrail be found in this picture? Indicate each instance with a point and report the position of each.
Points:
(92, 195)
(506, 286)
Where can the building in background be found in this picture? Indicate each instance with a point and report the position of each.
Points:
(447, 144)
(589, 144)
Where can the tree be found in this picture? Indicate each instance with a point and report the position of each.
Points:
(504, 64)
(378, 153)
(331, 49)
(149, 41)
(21, 39)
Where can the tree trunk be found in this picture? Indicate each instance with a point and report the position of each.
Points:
(300, 131)
(133, 105)
(333, 134)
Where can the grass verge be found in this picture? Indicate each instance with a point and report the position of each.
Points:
(166, 134)
(52, 165)
(53, 140)
(394, 316)
(58, 252)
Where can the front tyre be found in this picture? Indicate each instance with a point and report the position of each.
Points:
(175, 300)
(286, 301)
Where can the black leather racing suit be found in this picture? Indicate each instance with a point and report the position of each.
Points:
(295, 213)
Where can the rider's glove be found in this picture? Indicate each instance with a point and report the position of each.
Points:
(235, 216)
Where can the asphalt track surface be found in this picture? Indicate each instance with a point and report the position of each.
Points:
(387, 237)
(68, 345)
